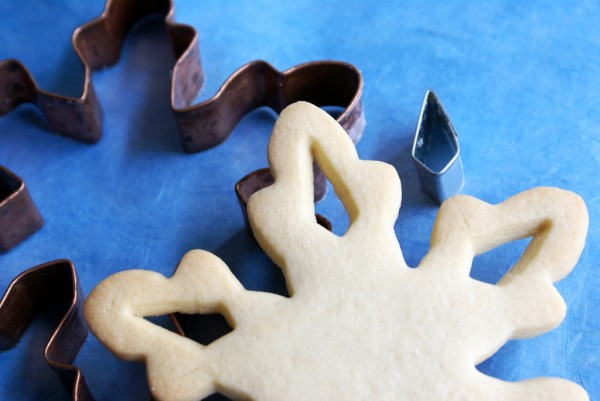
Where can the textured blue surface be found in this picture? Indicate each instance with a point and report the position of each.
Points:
(520, 81)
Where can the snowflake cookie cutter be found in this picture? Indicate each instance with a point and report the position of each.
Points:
(359, 323)
(201, 126)
(435, 151)
(50, 283)
(19, 218)
(97, 44)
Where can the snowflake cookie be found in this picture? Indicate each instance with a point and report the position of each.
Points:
(359, 323)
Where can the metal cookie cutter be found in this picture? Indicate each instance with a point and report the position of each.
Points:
(256, 84)
(19, 218)
(435, 151)
(204, 125)
(47, 284)
(98, 44)
(201, 126)
(323, 83)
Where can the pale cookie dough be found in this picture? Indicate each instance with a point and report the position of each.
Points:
(360, 324)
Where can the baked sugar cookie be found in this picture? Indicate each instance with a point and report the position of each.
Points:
(359, 323)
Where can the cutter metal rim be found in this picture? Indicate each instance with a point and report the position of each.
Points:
(49, 283)
(19, 217)
(258, 84)
(6, 172)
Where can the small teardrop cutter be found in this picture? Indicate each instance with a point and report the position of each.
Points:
(435, 151)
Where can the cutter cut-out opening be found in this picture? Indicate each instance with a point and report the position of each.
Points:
(162, 321)
(332, 207)
(339, 214)
(204, 328)
(216, 397)
(491, 266)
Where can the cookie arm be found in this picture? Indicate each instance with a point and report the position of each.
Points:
(178, 367)
(556, 219)
(282, 215)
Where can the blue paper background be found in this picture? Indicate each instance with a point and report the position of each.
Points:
(520, 81)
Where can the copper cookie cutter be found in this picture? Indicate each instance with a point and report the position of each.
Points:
(201, 126)
(19, 218)
(51, 283)
(323, 83)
